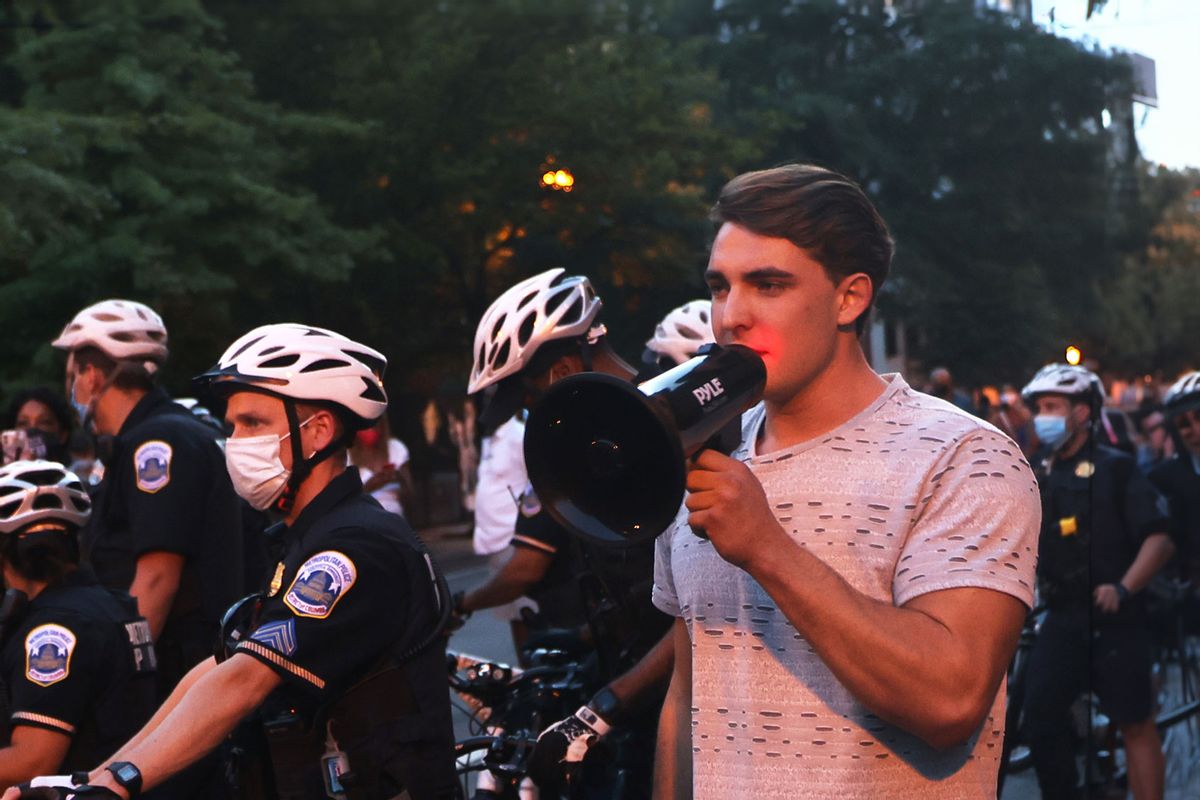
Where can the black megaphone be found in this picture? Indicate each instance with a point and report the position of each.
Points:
(607, 458)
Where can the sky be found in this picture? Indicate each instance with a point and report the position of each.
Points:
(1167, 31)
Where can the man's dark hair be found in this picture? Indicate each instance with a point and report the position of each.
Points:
(820, 211)
(47, 397)
(130, 375)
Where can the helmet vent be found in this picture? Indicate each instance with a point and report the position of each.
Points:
(499, 324)
(325, 363)
(526, 329)
(7, 509)
(555, 300)
(46, 501)
(575, 312)
(374, 364)
(79, 503)
(689, 333)
(270, 350)
(281, 361)
(501, 357)
(525, 300)
(372, 391)
(245, 347)
(106, 317)
(42, 477)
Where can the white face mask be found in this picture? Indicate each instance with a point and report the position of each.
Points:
(257, 473)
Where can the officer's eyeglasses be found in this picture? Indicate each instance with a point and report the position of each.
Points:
(1187, 419)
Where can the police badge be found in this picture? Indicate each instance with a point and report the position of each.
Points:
(152, 464)
(48, 650)
(320, 583)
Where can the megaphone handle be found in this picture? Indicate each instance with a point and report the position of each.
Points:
(726, 440)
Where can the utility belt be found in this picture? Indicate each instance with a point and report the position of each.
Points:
(347, 742)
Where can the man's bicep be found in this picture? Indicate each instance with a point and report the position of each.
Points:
(984, 625)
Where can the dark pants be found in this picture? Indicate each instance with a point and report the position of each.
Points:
(1075, 653)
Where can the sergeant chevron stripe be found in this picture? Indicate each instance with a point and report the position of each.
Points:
(279, 636)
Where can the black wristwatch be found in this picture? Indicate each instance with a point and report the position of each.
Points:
(606, 704)
(127, 776)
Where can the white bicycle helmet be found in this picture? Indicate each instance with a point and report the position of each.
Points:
(537, 310)
(1064, 379)
(34, 491)
(683, 331)
(123, 330)
(302, 362)
(1184, 395)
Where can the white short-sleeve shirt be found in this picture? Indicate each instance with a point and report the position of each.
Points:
(910, 496)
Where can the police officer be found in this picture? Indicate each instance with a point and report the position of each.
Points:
(1104, 536)
(1178, 477)
(77, 662)
(166, 527)
(540, 331)
(342, 662)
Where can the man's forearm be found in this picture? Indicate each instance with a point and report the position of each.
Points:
(1152, 556)
(904, 664)
(651, 670)
(205, 715)
(177, 695)
(154, 585)
(673, 748)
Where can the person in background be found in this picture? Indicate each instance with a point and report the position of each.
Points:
(941, 384)
(1178, 477)
(1104, 536)
(1156, 445)
(46, 420)
(77, 665)
(1012, 417)
(382, 462)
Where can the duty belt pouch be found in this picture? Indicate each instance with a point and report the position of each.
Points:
(295, 751)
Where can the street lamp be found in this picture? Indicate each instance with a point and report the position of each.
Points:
(558, 179)
(1074, 355)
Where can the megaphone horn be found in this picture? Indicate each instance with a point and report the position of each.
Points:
(607, 458)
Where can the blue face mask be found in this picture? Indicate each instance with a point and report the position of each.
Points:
(82, 410)
(1051, 430)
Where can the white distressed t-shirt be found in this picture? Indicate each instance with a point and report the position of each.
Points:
(910, 496)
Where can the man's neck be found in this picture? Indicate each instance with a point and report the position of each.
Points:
(114, 407)
(1073, 444)
(610, 363)
(322, 475)
(839, 393)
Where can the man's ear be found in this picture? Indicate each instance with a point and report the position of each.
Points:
(854, 294)
(324, 429)
(566, 366)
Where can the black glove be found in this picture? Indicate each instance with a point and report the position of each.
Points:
(565, 743)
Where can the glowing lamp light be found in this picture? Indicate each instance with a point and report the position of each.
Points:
(558, 179)
(1074, 355)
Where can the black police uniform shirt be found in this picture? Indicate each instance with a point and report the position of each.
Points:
(166, 489)
(607, 586)
(79, 661)
(355, 585)
(1179, 479)
(1097, 511)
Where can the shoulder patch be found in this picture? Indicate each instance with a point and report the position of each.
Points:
(152, 463)
(48, 650)
(320, 582)
(530, 505)
(279, 636)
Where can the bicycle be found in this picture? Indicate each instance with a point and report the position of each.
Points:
(508, 708)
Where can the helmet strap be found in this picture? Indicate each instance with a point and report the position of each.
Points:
(302, 467)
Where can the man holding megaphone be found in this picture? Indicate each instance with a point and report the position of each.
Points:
(849, 583)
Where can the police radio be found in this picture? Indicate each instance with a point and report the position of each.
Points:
(607, 458)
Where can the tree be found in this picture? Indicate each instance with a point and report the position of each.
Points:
(978, 137)
(141, 164)
(1151, 304)
(470, 103)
